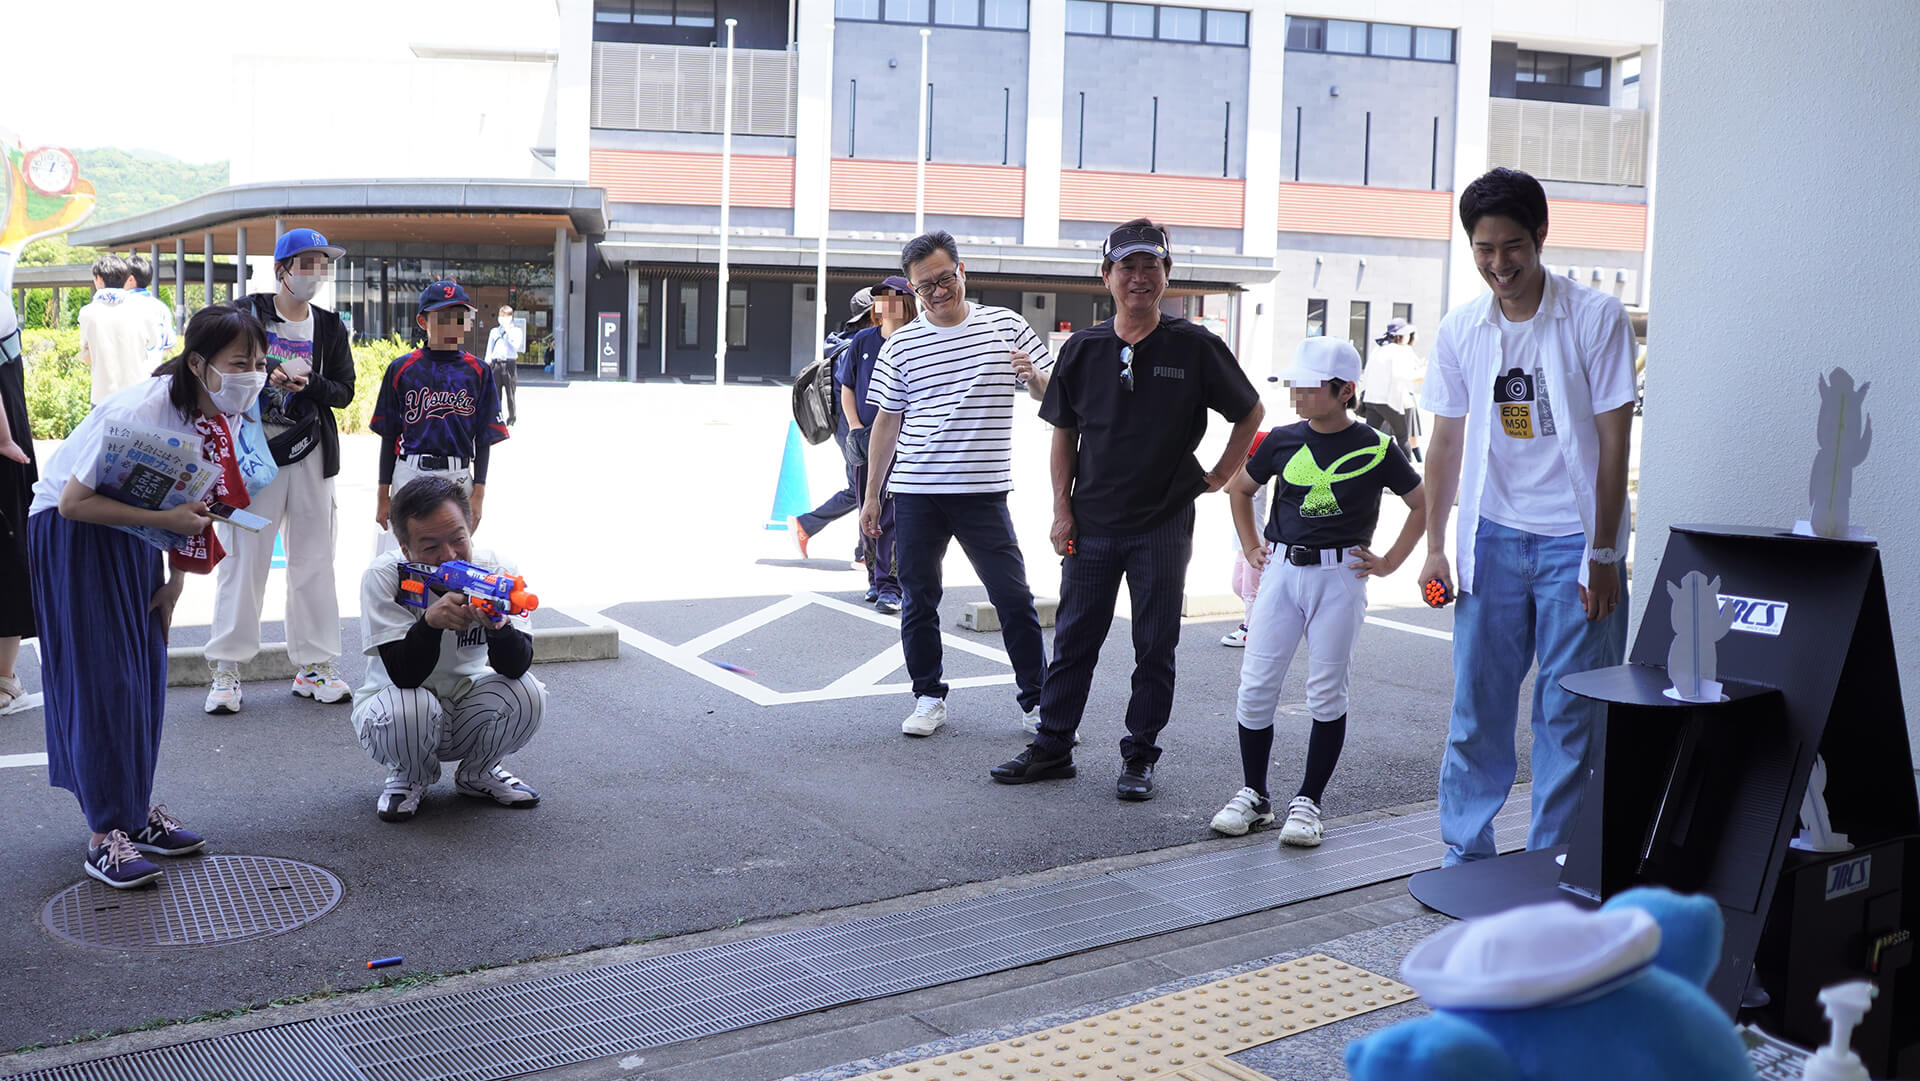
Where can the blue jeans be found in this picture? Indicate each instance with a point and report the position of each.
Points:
(1525, 604)
(924, 524)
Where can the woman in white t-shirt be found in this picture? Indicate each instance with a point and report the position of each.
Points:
(1390, 381)
(105, 605)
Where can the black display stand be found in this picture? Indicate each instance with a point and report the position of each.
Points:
(1704, 798)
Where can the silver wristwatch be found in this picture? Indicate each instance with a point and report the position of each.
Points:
(1607, 556)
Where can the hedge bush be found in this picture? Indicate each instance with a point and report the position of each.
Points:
(60, 388)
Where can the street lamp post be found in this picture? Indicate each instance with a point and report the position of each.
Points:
(826, 218)
(920, 159)
(726, 199)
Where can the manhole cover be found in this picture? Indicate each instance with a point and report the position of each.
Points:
(201, 901)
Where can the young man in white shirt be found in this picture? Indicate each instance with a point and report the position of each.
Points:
(117, 333)
(944, 385)
(1532, 391)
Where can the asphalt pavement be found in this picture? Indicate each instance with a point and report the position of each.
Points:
(678, 796)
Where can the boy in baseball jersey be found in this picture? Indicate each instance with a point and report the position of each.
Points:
(1327, 472)
(438, 411)
(444, 684)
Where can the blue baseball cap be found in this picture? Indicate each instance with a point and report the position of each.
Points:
(294, 241)
(443, 294)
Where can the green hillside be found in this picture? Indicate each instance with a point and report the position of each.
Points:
(130, 182)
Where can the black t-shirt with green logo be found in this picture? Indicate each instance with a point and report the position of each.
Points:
(1326, 491)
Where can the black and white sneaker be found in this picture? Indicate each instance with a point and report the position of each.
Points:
(499, 786)
(399, 800)
(117, 863)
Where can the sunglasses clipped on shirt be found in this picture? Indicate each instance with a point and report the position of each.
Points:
(1126, 367)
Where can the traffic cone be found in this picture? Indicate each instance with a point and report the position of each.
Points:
(790, 496)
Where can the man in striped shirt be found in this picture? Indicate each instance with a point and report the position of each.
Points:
(942, 448)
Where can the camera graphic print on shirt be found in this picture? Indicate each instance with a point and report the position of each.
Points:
(1302, 470)
(1521, 399)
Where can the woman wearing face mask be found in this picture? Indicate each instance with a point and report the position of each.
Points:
(310, 370)
(106, 603)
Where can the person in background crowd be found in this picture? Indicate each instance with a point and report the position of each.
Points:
(853, 373)
(846, 500)
(19, 469)
(505, 342)
(140, 273)
(118, 338)
(311, 374)
(1389, 382)
(105, 604)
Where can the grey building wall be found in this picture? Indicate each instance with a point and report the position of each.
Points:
(1597, 193)
(740, 217)
(1184, 237)
(1120, 77)
(1320, 267)
(979, 82)
(1405, 97)
(960, 225)
(1610, 264)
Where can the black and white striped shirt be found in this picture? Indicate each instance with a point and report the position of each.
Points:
(954, 389)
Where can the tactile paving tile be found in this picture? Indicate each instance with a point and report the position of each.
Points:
(1174, 1035)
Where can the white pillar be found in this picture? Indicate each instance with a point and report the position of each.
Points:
(1267, 42)
(726, 200)
(1473, 63)
(1046, 97)
(573, 90)
(179, 282)
(920, 142)
(240, 261)
(813, 119)
(1650, 101)
(634, 329)
(206, 269)
(826, 202)
(562, 300)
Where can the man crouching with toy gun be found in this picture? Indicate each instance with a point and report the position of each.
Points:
(447, 679)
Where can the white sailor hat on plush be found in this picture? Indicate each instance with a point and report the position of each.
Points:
(1538, 955)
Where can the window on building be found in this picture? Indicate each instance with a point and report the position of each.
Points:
(1559, 69)
(1590, 71)
(1180, 24)
(1307, 34)
(1432, 43)
(736, 317)
(857, 9)
(692, 12)
(1086, 17)
(1403, 312)
(956, 12)
(1630, 71)
(1006, 14)
(1357, 327)
(1131, 20)
(1346, 36)
(1226, 28)
(613, 11)
(1392, 40)
(689, 321)
(1316, 318)
(643, 315)
(906, 11)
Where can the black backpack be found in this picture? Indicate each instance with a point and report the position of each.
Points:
(816, 398)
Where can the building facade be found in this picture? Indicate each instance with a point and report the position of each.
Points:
(1304, 153)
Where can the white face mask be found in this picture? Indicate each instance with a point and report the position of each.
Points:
(302, 287)
(238, 391)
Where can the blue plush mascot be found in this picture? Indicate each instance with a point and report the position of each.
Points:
(1554, 993)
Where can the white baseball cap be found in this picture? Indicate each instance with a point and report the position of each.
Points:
(1322, 358)
(1536, 955)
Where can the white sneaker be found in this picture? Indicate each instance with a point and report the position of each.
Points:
(1247, 810)
(1235, 638)
(225, 696)
(1030, 724)
(322, 683)
(927, 716)
(399, 800)
(1303, 824)
(499, 786)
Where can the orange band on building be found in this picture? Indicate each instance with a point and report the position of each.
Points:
(1213, 202)
(1577, 224)
(1342, 210)
(662, 176)
(992, 191)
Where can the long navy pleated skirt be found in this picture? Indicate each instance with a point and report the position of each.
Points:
(103, 665)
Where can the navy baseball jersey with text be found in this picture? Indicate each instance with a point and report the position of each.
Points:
(438, 402)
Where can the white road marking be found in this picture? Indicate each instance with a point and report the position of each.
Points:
(9, 760)
(1424, 632)
(858, 683)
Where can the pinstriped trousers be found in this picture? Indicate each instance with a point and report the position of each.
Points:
(411, 730)
(1154, 565)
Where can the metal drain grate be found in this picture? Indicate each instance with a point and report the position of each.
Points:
(296, 1052)
(518, 1028)
(206, 901)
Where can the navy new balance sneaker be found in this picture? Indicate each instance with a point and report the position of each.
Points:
(117, 863)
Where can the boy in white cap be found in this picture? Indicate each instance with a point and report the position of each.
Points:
(1327, 471)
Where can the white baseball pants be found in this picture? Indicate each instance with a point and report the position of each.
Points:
(1325, 605)
(411, 730)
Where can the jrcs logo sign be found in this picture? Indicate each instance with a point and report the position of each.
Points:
(1755, 615)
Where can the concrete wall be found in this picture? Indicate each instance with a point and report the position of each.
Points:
(1729, 433)
(1404, 97)
(1611, 264)
(679, 214)
(1120, 77)
(969, 70)
(1396, 272)
(960, 225)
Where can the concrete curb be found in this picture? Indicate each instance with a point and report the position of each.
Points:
(187, 665)
(980, 616)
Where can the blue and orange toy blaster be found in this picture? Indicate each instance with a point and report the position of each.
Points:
(493, 592)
